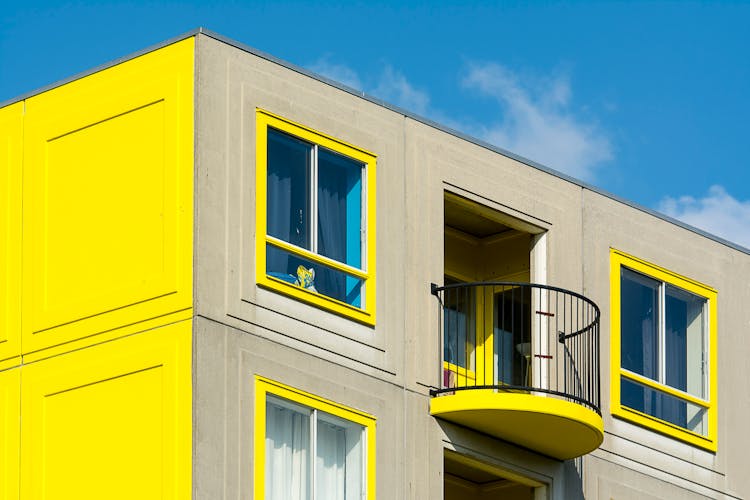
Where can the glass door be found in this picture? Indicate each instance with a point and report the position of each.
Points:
(459, 335)
(510, 329)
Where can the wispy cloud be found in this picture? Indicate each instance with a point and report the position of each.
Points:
(717, 212)
(335, 71)
(394, 87)
(390, 84)
(536, 119)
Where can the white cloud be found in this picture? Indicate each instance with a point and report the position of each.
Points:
(390, 84)
(395, 88)
(535, 118)
(339, 72)
(717, 212)
(536, 121)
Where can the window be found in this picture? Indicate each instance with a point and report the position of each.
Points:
(308, 448)
(663, 350)
(316, 218)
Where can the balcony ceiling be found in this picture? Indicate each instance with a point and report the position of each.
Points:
(463, 218)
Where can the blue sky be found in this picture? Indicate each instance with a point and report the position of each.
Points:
(648, 101)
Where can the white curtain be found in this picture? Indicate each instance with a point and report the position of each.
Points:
(339, 455)
(339, 465)
(330, 464)
(287, 454)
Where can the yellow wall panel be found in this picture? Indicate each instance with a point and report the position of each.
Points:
(10, 429)
(11, 134)
(110, 421)
(108, 211)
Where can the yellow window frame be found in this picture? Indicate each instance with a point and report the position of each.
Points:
(265, 386)
(365, 314)
(708, 442)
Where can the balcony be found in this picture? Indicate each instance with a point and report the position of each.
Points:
(520, 362)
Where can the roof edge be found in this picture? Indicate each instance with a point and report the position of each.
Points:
(101, 67)
(471, 139)
(382, 103)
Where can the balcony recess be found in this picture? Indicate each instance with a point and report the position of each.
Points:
(520, 362)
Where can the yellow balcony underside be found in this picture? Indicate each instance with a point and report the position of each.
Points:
(547, 425)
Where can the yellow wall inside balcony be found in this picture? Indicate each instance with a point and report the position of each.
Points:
(111, 420)
(11, 133)
(107, 201)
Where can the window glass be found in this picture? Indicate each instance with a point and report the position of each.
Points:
(339, 459)
(288, 189)
(512, 335)
(295, 434)
(639, 318)
(287, 451)
(339, 208)
(664, 406)
(459, 328)
(312, 276)
(684, 341)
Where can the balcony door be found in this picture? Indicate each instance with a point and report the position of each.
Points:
(460, 334)
(510, 328)
(486, 328)
(486, 335)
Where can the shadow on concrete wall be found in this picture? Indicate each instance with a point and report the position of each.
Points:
(573, 470)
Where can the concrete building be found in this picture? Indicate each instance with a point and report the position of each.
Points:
(224, 277)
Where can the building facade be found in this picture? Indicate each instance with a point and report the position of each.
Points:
(225, 277)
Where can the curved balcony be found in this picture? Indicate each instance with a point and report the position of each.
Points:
(520, 362)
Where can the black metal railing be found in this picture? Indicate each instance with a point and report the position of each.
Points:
(519, 337)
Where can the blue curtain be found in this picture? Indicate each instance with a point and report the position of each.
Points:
(339, 221)
(288, 197)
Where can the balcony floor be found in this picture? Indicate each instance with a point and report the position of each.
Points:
(547, 425)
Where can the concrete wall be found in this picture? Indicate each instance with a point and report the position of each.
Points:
(248, 330)
(386, 370)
